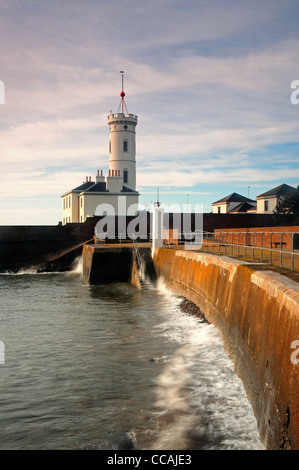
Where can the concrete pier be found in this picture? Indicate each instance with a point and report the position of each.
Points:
(104, 264)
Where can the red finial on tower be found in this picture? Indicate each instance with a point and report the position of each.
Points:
(122, 94)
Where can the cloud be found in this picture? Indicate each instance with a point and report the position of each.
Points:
(209, 80)
(190, 177)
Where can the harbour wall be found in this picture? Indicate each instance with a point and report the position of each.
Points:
(28, 246)
(257, 314)
(24, 246)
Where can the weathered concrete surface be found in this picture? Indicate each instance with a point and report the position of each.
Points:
(27, 246)
(106, 264)
(257, 313)
(103, 264)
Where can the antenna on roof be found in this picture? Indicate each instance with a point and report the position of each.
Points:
(122, 104)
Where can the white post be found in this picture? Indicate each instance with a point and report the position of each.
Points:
(157, 237)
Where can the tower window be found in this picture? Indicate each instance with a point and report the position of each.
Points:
(109, 146)
(125, 176)
(125, 145)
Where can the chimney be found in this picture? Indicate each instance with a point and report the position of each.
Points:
(100, 179)
(86, 179)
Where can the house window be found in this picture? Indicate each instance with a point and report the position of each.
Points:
(125, 145)
(81, 201)
(125, 176)
(266, 206)
(69, 201)
(219, 209)
(64, 203)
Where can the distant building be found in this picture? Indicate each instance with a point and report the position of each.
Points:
(267, 202)
(234, 204)
(116, 191)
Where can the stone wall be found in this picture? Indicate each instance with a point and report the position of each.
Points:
(257, 314)
(267, 237)
(25, 246)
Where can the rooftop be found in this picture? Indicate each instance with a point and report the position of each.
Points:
(244, 207)
(234, 197)
(280, 190)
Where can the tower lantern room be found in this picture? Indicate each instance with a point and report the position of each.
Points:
(122, 143)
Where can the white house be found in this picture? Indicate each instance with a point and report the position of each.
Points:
(114, 193)
(233, 203)
(267, 202)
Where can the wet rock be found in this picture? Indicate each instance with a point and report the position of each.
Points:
(125, 443)
(192, 309)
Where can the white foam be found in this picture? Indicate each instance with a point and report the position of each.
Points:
(199, 389)
(77, 266)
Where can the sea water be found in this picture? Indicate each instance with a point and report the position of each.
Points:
(113, 367)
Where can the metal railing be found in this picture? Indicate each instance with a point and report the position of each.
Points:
(122, 239)
(277, 248)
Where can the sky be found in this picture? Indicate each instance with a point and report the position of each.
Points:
(210, 81)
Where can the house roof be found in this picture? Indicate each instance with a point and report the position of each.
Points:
(234, 197)
(127, 190)
(80, 188)
(280, 190)
(83, 187)
(99, 187)
(243, 207)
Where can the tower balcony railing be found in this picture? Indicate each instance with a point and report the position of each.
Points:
(121, 115)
